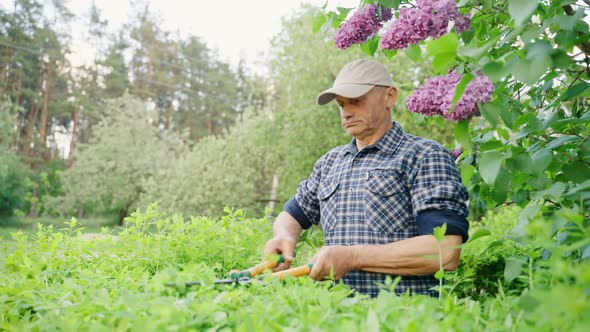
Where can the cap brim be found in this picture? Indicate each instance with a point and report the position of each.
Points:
(344, 90)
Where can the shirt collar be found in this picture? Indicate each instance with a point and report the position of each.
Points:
(387, 143)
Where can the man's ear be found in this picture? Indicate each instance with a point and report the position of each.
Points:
(390, 96)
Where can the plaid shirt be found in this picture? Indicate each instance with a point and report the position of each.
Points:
(373, 196)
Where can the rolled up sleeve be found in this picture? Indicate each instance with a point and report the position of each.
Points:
(304, 205)
(437, 186)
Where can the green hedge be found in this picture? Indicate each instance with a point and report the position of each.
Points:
(61, 281)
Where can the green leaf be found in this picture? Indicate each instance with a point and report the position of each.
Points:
(370, 46)
(541, 160)
(528, 302)
(554, 192)
(467, 173)
(538, 49)
(567, 22)
(523, 163)
(439, 274)
(578, 189)
(343, 12)
(444, 50)
(448, 43)
(459, 89)
(443, 62)
(440, 231)
(480, 232)
(521, 10)
(489, 166)
(562, 140)
(494, 70)
(413, 52)
(462, 135)
(508, 116)
(565, 39)
(390, 53)
(575, 90)
(529, 71)
(474, 51)
(492, 144)
(387, 3)
(531, 34)
(513, 268)
(491, 112)
(576, 172)
(318, 21)
(372, 321)
(335, 20)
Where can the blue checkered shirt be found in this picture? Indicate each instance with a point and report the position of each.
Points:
(374, 196)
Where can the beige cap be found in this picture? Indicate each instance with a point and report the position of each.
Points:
(355, 79)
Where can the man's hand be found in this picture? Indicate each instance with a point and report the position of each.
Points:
(284, 246)
(286, 231)
(341, 259)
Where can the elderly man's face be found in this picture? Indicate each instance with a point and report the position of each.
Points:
(364, 116)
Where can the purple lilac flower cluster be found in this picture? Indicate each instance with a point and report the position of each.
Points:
(428, 98)
(363, 24)
(436, 96)
(430, 18)
(457, 151)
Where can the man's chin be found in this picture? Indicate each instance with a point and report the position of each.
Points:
(352, 131)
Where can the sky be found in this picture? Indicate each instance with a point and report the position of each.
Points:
(234, 28)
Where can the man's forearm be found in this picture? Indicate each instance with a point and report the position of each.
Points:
(286, 227)
(286, 231)
(415, 256)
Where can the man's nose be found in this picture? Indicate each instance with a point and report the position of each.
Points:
(345, 112)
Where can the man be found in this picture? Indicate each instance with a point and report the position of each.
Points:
(378, 198)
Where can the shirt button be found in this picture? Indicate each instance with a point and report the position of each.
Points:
(349, 216)
(351, 188)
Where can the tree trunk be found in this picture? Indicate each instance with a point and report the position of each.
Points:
(31, 116)
(83, 131)
(273, 191)
(4, 75)
(20, 115)
(19, 86)
(19, 130)
(35, 194)
(209, 125)
(190, 120)
(80, 211)
(43, 118)
(123, 214)
(75, 119)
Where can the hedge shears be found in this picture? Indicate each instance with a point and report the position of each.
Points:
(245, 276)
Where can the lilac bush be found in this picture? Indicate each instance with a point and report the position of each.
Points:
(430, 18)
(428, 98)
(479, 90)
(363, 24)
(462, 23)
(436, 96)
(457, 151)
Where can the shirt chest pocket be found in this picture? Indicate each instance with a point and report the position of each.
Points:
(388, 206)
(327, 192)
